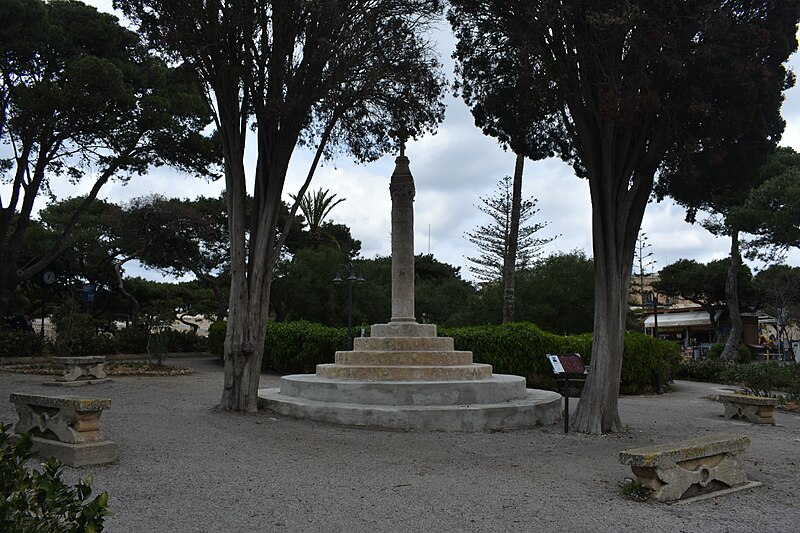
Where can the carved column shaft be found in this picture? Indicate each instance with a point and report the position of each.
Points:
(402, 192)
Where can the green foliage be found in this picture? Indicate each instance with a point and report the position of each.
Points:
(636, 491)
(705, 369)
(298, 347)
(643, 357)
(131, 340)
(16, 343)
(556, 293)
(216, 338)
(34, 501)
(303, 289)
(520, 349)
(743, 352)
(492, 239)
(77, 336)
(761, 379)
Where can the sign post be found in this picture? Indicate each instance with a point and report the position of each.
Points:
(564, 366)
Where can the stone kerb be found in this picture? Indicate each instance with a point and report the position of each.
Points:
(691, 467)
(71, 371)
(756, 409)
(67, 428)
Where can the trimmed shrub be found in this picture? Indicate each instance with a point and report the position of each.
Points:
(744, 354)
(712, 370)
(298, 347)
(761, 379)
(216, 338)
(521, 349)
(131, 340)
(77, 336)
(41, 501)
(16, 343)
(183, 341)
(644, 357)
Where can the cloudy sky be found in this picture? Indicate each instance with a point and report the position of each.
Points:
(452, 169)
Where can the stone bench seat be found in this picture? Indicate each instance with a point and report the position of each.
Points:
(756, 409)
(67, 428)
(691, 467)
(77, 369)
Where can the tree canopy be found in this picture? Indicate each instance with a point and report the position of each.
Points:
(704, 285)
(80, 95)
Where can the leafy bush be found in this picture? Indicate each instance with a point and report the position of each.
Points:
(78, 336)
(520, 349)
(793, 388)
(131, 340)
(298, 347)
(761, 379)
(216, 338)
(744, 355)
(712, 370)
(41, 501)
(183, 341)
(16, 343)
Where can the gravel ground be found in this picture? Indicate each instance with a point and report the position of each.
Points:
(183, 466)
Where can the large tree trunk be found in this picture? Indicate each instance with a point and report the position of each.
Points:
(620, 177)
(731, 350)
(510, 260)
(598, 410)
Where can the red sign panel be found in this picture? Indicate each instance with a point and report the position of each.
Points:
(572, 363)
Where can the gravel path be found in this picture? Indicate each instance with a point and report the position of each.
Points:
(184, 466)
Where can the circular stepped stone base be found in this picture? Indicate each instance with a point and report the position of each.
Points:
(404, 372)
(500, 402)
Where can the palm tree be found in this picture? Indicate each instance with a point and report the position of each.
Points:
(316, 205)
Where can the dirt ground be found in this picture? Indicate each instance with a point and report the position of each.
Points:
(184, 466)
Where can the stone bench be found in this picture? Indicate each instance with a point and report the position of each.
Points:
(756, 409)
(691, 467)
(65, 427)
(80, 370)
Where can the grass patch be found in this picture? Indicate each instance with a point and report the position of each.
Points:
(633, 490)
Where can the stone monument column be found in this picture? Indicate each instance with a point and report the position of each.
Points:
(401, 188)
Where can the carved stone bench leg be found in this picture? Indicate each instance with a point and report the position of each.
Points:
(757, 414)
(689, 478)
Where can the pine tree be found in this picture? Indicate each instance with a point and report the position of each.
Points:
(492, 238)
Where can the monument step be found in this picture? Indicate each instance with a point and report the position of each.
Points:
(403, 343)
(537, 408)
(497, 388)
(409, 358)
(403, 329)
(404, 372)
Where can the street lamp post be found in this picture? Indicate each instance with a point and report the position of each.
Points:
(351, 274)
(655, 336)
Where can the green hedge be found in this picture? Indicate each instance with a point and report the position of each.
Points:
(298, 347)
(16, 343)
(521, 349)
(216, 338)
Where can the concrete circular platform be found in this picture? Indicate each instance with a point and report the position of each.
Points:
(431, 406)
